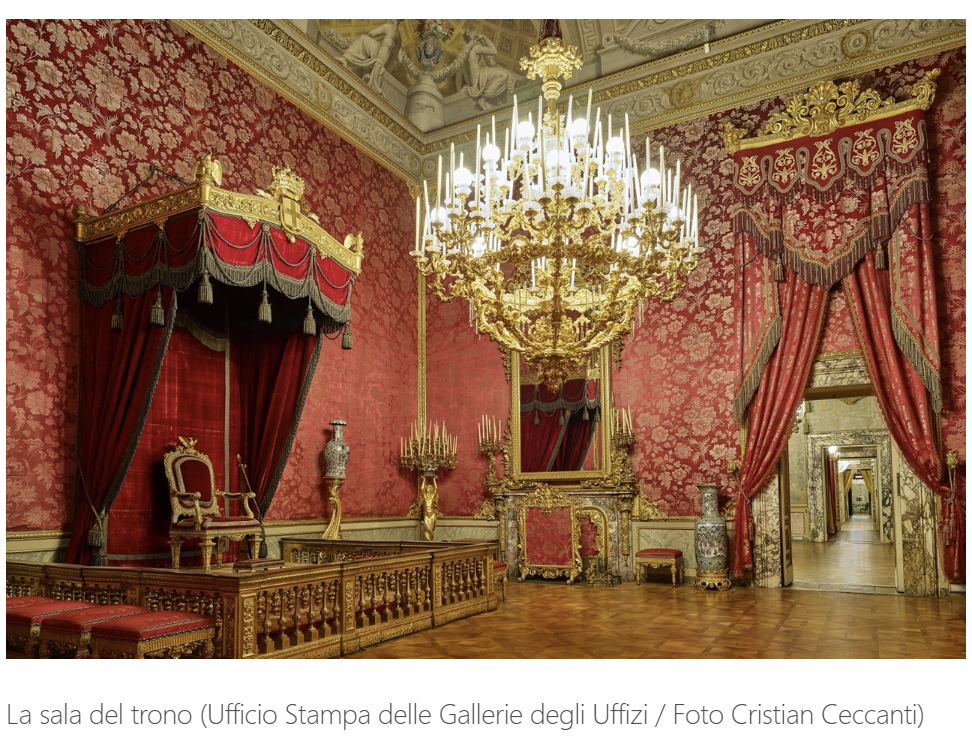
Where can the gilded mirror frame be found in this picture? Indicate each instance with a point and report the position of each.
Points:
(602, 369)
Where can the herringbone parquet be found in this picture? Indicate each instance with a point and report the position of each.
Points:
(551, 620)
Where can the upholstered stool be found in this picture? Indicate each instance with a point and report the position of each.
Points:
(19, 602)
(23, 623)
(499, 575)
(157, 633)
(658, 558)
(70, 632)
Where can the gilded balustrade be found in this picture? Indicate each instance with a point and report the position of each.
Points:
(334, 597)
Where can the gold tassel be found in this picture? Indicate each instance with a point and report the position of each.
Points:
(346, 341)
(310, 325)
(536, 417)
(116, 316)
(586, 416)
(778, 271)
(157, 314)
(881, 258)
(263, 312)
(205, 290)
(562, 417)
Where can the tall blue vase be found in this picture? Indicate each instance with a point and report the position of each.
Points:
(711, 543)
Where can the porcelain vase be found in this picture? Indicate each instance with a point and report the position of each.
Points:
(337, 452)
(711, 543)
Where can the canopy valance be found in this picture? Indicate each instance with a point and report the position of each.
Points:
(204, 232)
(164, 363)
(839, 173)
(831, 177)
(573, 395)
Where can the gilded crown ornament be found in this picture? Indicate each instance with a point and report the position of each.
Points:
(556, 240)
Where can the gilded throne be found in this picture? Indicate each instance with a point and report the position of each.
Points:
(195, 509)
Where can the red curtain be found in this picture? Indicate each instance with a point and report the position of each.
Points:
(190, 401)
(540, 436)
(773, 407)
(554, 436)
(119, 372)
(904, 401)
(575, 443)
(833, 523)
(276, 369)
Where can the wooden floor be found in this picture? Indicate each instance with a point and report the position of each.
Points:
(855, 561)
(551, 620)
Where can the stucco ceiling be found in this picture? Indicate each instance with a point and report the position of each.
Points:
(657, 71)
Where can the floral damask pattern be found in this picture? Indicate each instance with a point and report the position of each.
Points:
(90, 105)
(679, 367)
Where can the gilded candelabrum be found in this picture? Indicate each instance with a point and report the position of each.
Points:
(557, 240)
(428, 449)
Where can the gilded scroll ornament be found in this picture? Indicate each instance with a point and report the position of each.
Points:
(826, 107)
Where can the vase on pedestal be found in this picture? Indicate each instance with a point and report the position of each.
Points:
(336, 455)
(711, 543)
(337, 452)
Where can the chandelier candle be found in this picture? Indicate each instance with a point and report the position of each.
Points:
(558, 238)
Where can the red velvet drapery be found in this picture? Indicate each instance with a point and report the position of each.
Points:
(276, 294)
(904, 402)
(190, 400)
(226, 248)
(119, 372)
(773, 408)
(815, 206)
(556, 427)
(275, 376)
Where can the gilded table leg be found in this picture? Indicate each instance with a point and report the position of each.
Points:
(176, 547)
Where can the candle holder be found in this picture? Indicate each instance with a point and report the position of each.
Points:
(622, 439)
(427, 450)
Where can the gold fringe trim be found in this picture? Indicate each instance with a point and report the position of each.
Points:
(751, 380)
(911, 349)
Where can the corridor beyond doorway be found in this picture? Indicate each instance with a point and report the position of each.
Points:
(854, 561)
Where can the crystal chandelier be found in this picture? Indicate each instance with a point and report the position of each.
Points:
(558, 239)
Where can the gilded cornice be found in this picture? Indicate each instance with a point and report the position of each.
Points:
(748, 67)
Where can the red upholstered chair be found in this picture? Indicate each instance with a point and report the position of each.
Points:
(195, 510)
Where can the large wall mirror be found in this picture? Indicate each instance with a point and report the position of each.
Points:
(563, 434)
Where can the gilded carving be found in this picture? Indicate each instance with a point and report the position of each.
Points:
(205, 194)
(547, 499)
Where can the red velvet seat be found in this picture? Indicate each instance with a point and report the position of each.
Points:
(23, 623)
(19, 602)
(658, 558)
(659, 553)
(196, 515)
(165, 633)
(70, 632)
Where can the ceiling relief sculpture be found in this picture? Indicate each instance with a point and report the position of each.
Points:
(403, 90)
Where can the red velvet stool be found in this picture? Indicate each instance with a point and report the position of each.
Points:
(499, 575)
(23, 623)
(162, 633)
(19, 602)
(70, 632)
(658, 558)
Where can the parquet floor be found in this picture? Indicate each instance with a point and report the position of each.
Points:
(855, 561)
(543, 619)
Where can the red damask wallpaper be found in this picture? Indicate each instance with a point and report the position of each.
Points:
(679, 367)
(90, 105)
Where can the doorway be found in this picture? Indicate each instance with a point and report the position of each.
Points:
(841, 502)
